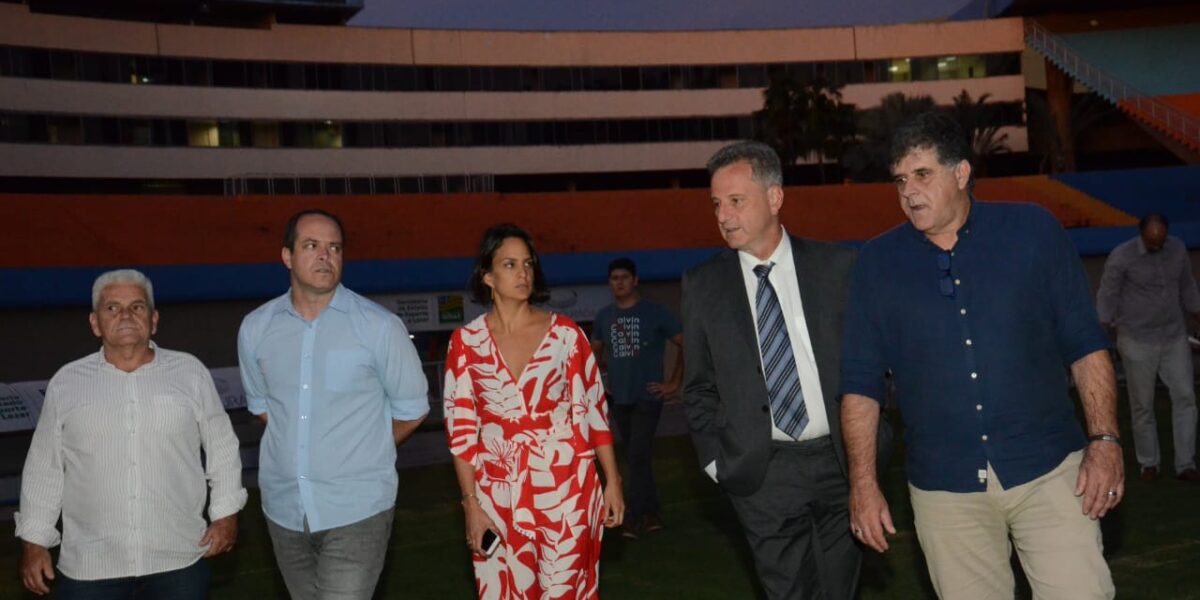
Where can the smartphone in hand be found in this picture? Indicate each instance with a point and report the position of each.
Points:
(490, 542)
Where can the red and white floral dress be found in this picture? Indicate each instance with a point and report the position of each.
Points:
(532, 442)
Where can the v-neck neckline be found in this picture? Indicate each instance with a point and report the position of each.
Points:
(500, 355)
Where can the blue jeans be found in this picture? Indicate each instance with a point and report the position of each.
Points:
(188, 583)
(336, 564)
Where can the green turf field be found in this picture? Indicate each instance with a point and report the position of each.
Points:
(1153, 543)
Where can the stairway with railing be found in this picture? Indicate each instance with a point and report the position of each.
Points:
(1176, 124)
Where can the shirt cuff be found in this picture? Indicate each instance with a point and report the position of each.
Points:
(711, 470)
(874, 392)
(219, 508)
(410, 409)
(1097, 343)
(601, 438)
(46, 537)
(256, 406)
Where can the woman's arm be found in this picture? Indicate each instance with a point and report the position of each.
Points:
(613, 510)
(477, 521)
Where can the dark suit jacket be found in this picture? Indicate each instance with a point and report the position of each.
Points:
(724, 392)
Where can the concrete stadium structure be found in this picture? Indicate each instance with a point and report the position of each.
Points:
(99, 99)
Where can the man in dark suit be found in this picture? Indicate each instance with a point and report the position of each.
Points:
(762, 339)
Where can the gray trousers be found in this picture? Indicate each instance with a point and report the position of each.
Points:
(336, 564)
(1172, 361)
(798, 525)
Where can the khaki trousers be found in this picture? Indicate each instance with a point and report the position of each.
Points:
(965, 537)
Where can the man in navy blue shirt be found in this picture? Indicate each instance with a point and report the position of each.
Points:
(980, 310)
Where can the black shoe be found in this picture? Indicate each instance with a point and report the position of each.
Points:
(631, 530)
(651, 524)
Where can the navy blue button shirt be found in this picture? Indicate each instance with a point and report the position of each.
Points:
(980, 340)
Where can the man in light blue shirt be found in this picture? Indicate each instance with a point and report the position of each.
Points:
(338, 384)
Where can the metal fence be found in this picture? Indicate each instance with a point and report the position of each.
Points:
(309, 184)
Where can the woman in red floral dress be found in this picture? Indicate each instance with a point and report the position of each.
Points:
(526, 424)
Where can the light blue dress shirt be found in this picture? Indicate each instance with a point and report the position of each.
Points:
(332, 387)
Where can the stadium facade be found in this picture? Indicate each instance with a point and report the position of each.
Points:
(89, 104)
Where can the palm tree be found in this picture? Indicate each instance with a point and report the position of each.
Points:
(803, 121)
(868, 160)
(981, 122)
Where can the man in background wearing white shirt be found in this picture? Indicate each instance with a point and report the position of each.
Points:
(117, 453)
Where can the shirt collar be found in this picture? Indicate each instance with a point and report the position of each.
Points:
(102, 361)
(781, 256)
(1141, 245)
(964, 230)
(340, 302)
(341, 299)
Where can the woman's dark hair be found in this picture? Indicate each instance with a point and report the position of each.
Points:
(491, 242)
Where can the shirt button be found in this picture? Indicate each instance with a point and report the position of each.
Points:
(304, 477)
(304, 387)
(962, 311)
(974, 375)
(978, 407)
(957, 281)
(303, 417)
(968, 341)
(983, 437)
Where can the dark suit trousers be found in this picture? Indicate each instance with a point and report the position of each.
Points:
(798, 525)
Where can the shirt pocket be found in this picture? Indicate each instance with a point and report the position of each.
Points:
(347, 370)
(172, 415)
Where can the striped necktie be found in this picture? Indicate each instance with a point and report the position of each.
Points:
(779, 364)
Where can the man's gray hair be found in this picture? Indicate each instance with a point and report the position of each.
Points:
(764, 162)
(130, 276)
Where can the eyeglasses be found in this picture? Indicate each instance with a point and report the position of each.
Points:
(946, 283)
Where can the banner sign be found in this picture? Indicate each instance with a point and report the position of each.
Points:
(21, 403)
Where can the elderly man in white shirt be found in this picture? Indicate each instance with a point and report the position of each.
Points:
(117, 452)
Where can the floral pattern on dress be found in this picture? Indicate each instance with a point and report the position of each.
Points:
(532, 443)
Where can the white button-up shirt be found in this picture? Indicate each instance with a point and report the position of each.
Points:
(787, 289)
(118, 454)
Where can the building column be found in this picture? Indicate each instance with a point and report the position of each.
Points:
(1058, 97)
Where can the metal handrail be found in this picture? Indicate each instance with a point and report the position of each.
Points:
(239, 185)
(1110, 87)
